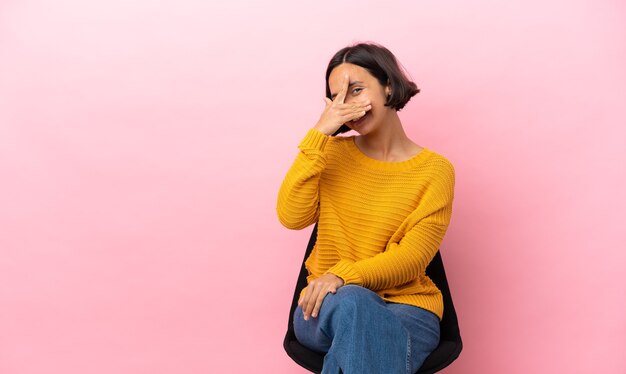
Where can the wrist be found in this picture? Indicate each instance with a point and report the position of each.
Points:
(323, 130)
(339, 279)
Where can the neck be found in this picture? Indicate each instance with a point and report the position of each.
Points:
(387, 141)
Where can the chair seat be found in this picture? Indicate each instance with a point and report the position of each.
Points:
(446, 352)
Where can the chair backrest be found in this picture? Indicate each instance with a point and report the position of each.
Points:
(450, 344)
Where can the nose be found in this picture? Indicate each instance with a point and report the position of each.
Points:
(349, 100)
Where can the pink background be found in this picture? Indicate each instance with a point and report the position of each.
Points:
(142, 146)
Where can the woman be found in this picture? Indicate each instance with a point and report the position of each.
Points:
(383, 204)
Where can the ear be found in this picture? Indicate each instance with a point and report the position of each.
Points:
(388, 88)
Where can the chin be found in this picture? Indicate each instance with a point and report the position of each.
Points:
(363, 127)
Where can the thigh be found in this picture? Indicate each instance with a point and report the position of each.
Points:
(423, 328)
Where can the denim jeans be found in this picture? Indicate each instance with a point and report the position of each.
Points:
(361, 333)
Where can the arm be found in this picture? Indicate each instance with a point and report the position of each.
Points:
(298, 198)
(406, 258)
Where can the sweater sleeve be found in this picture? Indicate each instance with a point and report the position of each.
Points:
(298, 198)
(406, 257)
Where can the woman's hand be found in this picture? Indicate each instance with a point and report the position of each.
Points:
(337, 112)
(316, 291)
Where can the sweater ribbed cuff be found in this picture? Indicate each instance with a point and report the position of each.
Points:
(314, 139)
(345, 270)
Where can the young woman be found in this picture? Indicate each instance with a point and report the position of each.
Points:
(383, 204)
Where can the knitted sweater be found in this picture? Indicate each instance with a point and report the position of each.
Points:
(380, 223)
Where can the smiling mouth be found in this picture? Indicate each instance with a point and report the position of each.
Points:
(358, 122)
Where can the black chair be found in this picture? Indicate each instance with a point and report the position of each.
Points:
(450, 343)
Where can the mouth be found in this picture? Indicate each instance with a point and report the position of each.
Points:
(360, 120)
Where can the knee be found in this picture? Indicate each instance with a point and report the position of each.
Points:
(352, 295)
(354, 291)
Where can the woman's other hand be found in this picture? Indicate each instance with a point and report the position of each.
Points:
(337, 112)
(316, 291)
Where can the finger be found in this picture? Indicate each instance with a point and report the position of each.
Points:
(352, 116)
(358, 115)
(318, 302)
(310, 303)
(308, 308)
(328, 101)
(350, 112)
(341, 96)
(301, 297)
(356, 106)
(305, 300)
(361, 102)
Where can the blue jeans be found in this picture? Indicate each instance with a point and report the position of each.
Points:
(361, 333)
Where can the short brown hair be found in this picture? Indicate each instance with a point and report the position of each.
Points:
(383, 65)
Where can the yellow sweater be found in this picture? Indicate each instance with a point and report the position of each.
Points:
(379, 223)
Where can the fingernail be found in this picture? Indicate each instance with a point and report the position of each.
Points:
(314, 314)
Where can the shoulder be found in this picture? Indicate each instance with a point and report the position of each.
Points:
(441, 170)
(439, 162)
(338, 142)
